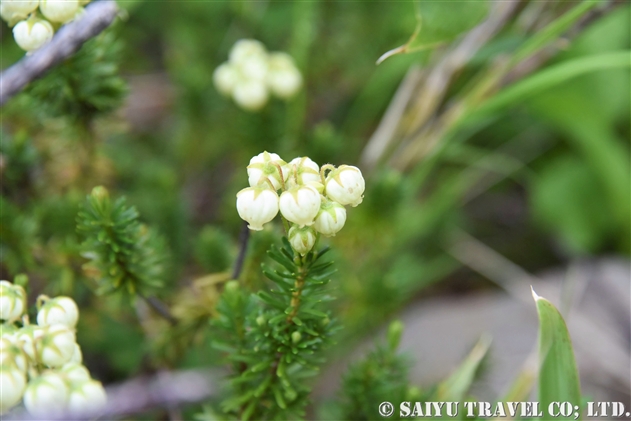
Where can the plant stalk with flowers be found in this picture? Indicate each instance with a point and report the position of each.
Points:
(274, 338)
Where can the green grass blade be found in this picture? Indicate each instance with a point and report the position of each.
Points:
(454, 388)
(552, 76)
(558, 375)
(553, 30)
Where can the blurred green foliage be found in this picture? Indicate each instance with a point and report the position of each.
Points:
(541, 175)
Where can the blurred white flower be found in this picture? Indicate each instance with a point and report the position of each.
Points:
(284, 78)
(251, 94)
(56, 346)
(75, 373)
(12, 385)
(225, 78)
(86, 398)
(246, 48)
(62, 310)
(29, 337)
(46, 395)
(12, 301)
(15, 10)
(60, 11)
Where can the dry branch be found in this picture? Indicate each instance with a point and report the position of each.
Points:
(98, 16)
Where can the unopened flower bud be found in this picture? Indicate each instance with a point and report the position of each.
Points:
(12, 353)
(29, 337)
(62, 310)
(31, 34)
(331, 218)
(260, 320)
(46, 395)
(265, 166)
(345, 185)
(250, 94)
(257, 205)
(300, 204)
(57, 346)
(12, 301)
(303, 171)
(86, 398)
(225, 78)
(301, 239)
(245, 48)
(75, 373)
(283, 77)
(60, 11)
(13, 11)
(232, 286)
(12, 385)
(296, 337)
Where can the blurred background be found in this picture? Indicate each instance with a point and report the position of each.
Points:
(495, 158)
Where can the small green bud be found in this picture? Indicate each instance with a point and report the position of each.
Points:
(100, 193)
(296, 337)
(232, 286)
(260, 320)
(21, 280)
(394, 334)
(325, 321)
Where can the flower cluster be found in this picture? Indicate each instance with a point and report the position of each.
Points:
(31, 29)
(251, 74)
(308, 197)
(41, 363)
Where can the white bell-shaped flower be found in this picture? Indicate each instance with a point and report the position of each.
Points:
(283, 77)
(225, 78)
(345, 185)
(29, 337)
(75, 373)
(301, 239)
(56, 347)
(13, 11)
(12, 353)
(62, 310)
(46, 395)
(250, 94)
(12, 301)
(60, 11)
(300, 204)
(257, 205)
(303, 170)
(86, 398)
(33, 33)
(12, 385)
(265, 166)
(246, 48)
(331, 218)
